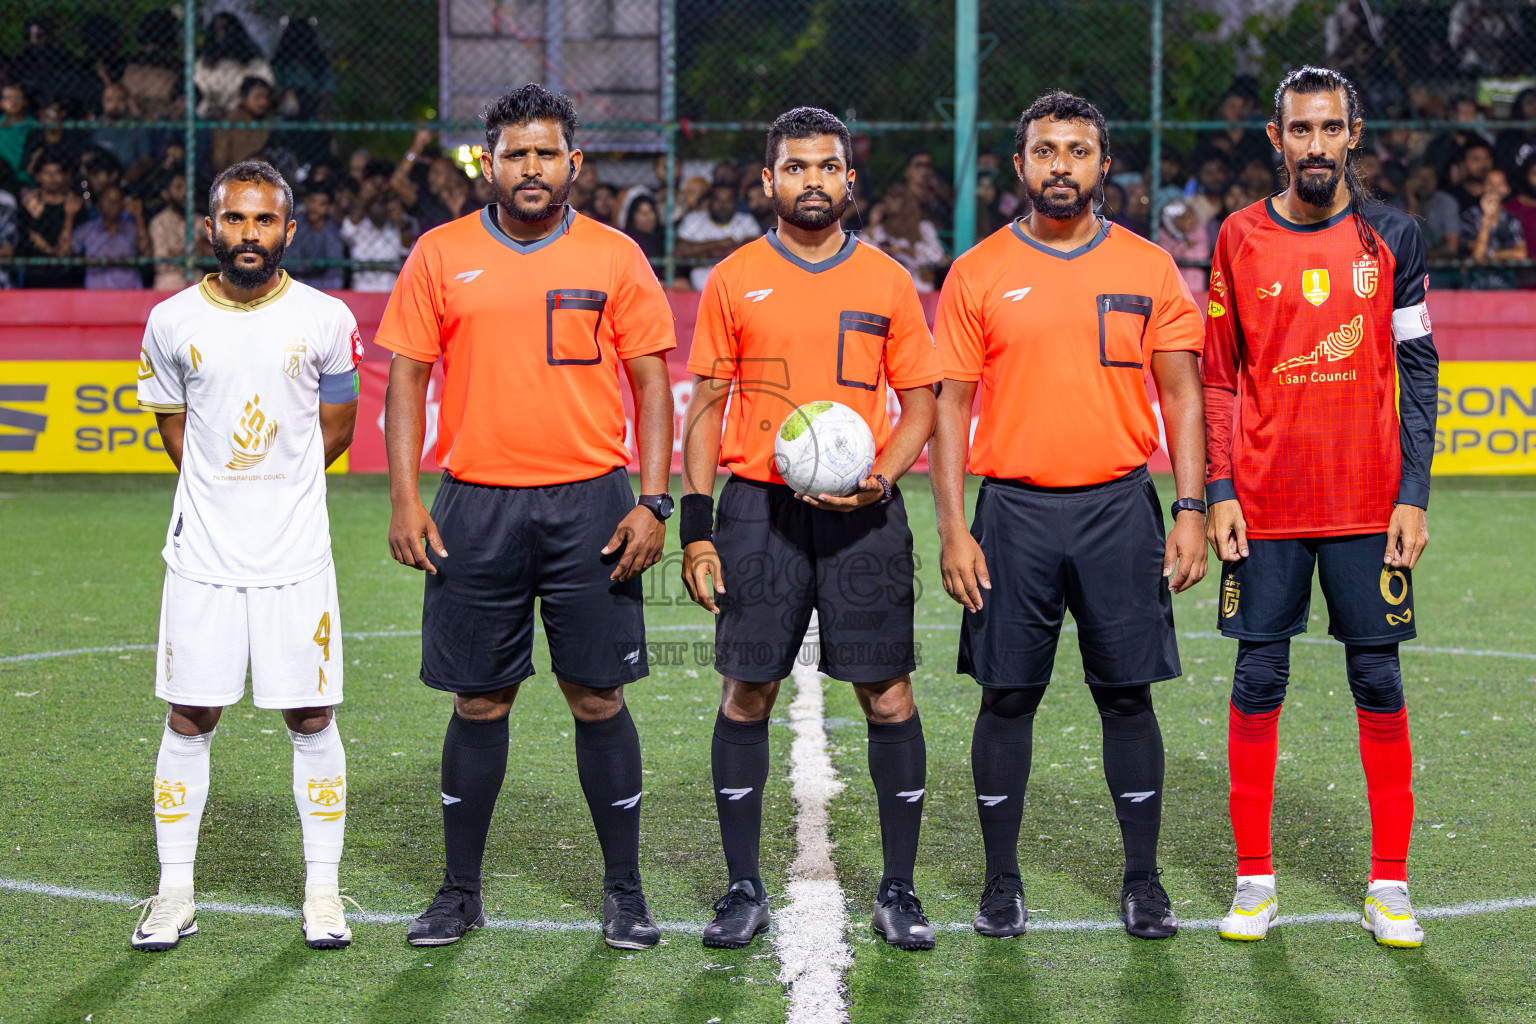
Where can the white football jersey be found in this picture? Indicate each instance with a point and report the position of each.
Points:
(250, 502)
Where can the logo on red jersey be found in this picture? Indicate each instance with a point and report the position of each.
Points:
(1217, 284)
(1217, 309)
(1339, 345)
(357, 347)
(1314, 286)
(1365, 278)
(1272, 292)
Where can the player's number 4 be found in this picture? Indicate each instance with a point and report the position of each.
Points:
(323, 635)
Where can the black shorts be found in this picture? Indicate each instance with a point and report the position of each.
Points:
(1097, 550)
(781, 558)
(1267, 596)
(508, 545)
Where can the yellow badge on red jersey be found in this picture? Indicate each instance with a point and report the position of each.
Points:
(1216, 309)
(1365, 278)
(1314, 286)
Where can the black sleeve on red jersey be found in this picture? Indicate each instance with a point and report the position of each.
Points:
(1418, 364)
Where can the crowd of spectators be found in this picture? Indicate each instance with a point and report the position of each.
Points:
(115, 190)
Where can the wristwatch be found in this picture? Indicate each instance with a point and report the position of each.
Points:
(659, 504)
(885, 485)
(1185, 505)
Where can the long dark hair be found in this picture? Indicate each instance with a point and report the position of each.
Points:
(227, 39)
(1308, 80)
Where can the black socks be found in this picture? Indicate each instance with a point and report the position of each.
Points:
(898, 765)
(608, 765)
(1133, 767)
(474, 766)
(1001, 749)
(739, 762)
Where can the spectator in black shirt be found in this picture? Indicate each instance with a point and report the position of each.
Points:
(67, 146)
(1476, 163)
(47, 223)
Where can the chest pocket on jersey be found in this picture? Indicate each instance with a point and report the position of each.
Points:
(861, 348)
(572, 317)
(1122, 327)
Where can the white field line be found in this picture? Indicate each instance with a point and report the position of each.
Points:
(362, 917)
(365, 635)
(812, 949)
(1036, 924)
(1326, 917)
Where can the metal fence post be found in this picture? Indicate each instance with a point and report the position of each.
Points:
(1155, 115)
(189, 132)
(669, 130)
(967, 28)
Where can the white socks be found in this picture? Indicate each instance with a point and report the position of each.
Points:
(320, 793)
(1267, 881)
(180, 794)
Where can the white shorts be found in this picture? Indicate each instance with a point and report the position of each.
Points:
(289, 635)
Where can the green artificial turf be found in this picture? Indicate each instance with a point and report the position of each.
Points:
(78, 737)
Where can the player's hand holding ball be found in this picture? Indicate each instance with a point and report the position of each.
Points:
(409, 522)
(826, 454)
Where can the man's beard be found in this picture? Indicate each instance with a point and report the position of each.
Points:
(792, 212)
(1061, 209)
(240, 277)
(1312, 191)
(506, 199)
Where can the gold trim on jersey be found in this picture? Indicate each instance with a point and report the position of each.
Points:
(156, 407)
(244, 307)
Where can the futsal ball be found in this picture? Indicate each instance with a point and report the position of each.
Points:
(824, 448)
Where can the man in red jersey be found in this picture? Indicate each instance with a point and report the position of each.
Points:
(1317, 309)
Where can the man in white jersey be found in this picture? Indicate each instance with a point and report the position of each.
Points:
(252, 377)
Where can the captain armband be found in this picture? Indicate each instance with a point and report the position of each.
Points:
(1410, 322)
(338, 388)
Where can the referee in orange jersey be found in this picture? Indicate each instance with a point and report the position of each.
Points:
(1057, 318)
(532, 309)
(808, 313)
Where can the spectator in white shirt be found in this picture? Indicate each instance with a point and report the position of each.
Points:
(714, 232)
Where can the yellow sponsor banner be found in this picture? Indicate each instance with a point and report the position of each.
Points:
(1487, 419)
(80, 416)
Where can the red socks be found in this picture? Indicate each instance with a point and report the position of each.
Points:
(1253, 743)
(1388, 760)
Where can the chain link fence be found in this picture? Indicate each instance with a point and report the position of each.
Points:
(114, 117)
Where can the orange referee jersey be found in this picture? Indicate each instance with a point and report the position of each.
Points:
(788, 332)
(530, 337)
(1061, 343)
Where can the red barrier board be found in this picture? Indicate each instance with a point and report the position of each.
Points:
(82, 325)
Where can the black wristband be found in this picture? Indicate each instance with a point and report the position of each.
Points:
(696, 520)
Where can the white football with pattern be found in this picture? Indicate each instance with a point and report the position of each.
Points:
(824, 448)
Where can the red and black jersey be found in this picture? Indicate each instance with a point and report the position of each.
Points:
(1309, 334)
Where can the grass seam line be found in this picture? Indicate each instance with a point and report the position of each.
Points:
(813, 950)
(1472, 652)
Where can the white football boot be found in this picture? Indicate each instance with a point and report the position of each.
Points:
(1255, 907)
(325, 923)
(165, 920)
(1389, 916)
